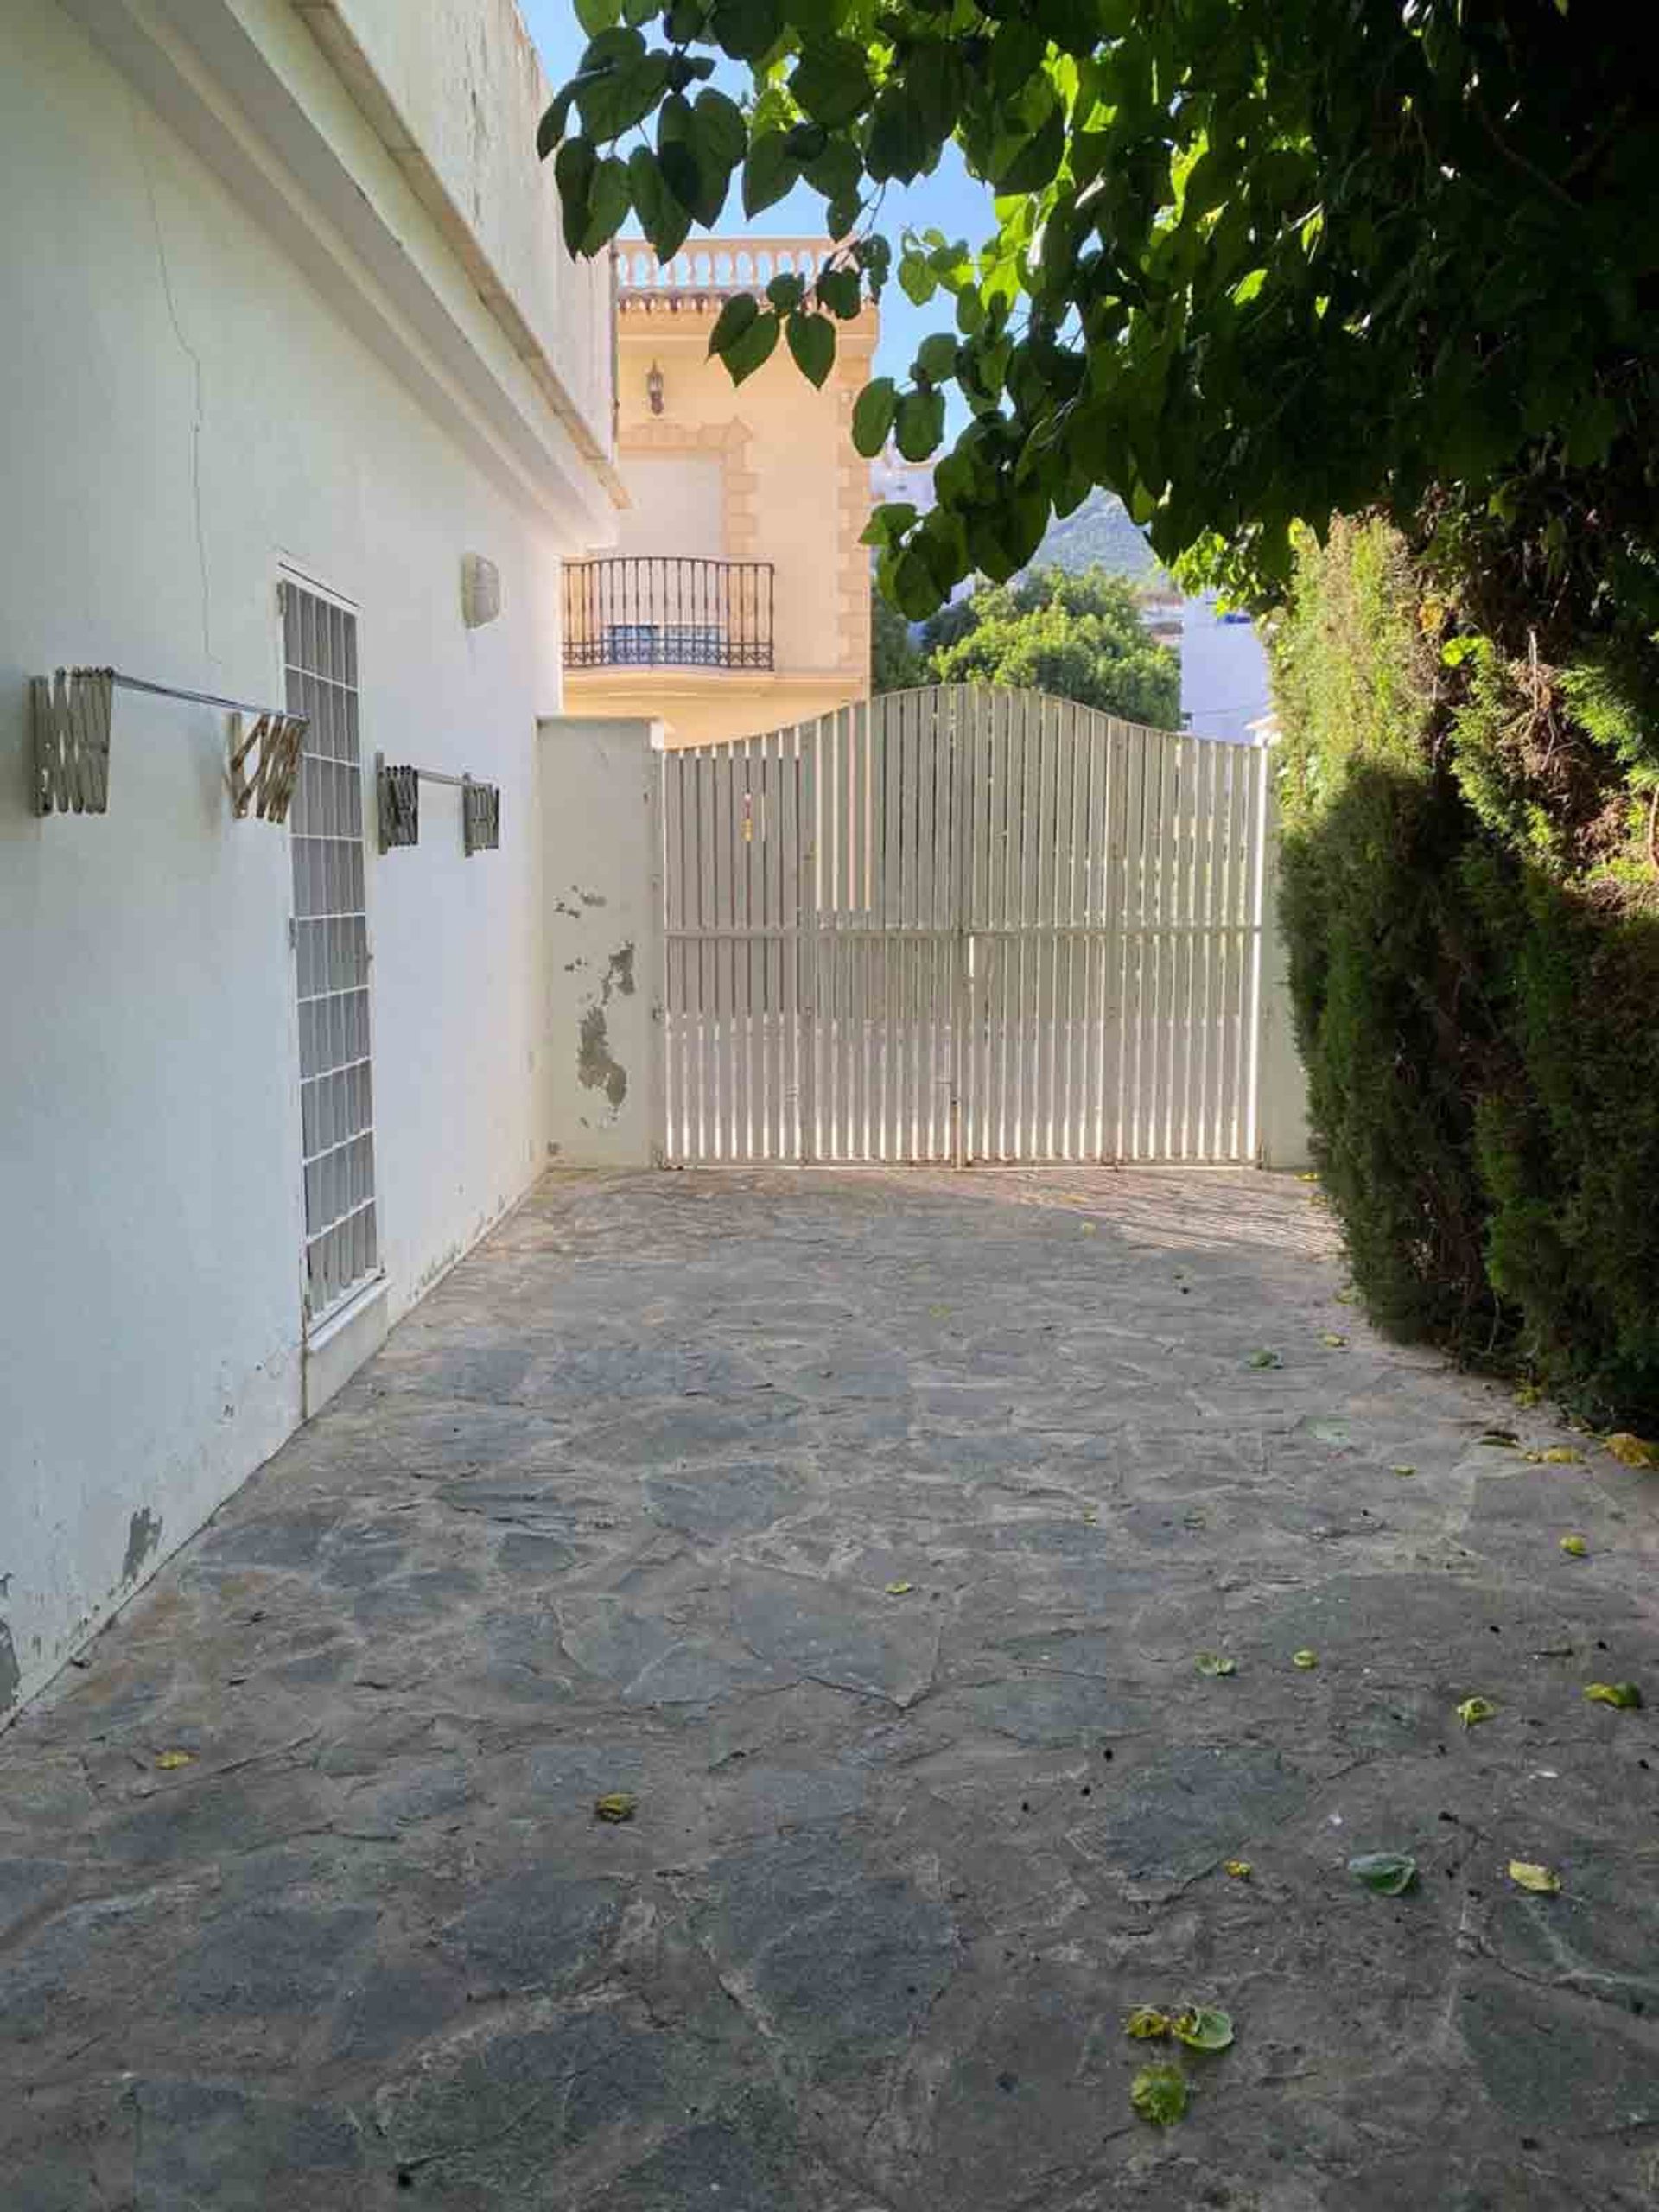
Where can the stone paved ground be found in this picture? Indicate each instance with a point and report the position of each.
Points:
(616, 1509)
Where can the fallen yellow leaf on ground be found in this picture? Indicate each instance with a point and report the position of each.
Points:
(169, 1760)
(1625, 1695)
(1475, 1709)
(1240, 1869)
(899, 1589)
(1633, 1451)
(618, 1805)
(1574, 1546)
(1304, 1660)
(1528, 1875)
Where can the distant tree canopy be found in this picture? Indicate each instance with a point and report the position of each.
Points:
(1076, 637)
(895, 664)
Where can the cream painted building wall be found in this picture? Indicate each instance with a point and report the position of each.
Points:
(284, 298)
(793, 491)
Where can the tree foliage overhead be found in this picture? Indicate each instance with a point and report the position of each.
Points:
(1254, 260)
(1074, 637)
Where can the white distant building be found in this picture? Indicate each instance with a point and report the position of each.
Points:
(1224, 685)
(895, 481)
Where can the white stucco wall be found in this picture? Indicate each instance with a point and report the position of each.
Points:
(193, 396)
(602, 1025)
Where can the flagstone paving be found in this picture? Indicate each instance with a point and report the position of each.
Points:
(864, 1529)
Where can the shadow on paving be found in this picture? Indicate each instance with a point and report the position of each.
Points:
(618, 1508)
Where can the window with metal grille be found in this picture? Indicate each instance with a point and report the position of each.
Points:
(331, 950)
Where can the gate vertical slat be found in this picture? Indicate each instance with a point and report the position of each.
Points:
(1259, 768)
(673, 1146)
(1134, 943)
(1022, 801)
(909, 797)
(1102, 759)
(1205, 840)
(1042, 915)
(1179, 851)
(1229, 962)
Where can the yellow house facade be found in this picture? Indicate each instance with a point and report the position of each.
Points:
(736, 598)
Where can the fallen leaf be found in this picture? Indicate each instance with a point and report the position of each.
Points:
(1240, 1869)
(1158, 2095)
(1474, 1709)
(1202, 2027)
(1403, 1471)
(1504, 1439)
(1211, 1662)
(1312, 1176)
(1091, 1516)
(1348, 1296)
(1574, 1546)
(1528, 1875)
(1528, 1393)
(1148, 2024)
(940, 1313)
(1264, 1359)
(1387, 1872)
(618, 1805)
(1087, 1227)
(899, 1589)
(1625, 1695)
(169, 1760)
(1563, 1455)
(1633, 1451)
(1304, 1659)
(1337, 1342)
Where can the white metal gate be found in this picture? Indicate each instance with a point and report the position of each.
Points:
(962, 924)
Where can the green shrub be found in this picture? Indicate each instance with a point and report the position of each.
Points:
(1471, 912)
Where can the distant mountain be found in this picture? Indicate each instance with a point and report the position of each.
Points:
(1099, 534)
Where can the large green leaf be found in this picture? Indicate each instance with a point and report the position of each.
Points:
(609, 198)
(900, 143)
(918, 423)
(720, 128)
(812, 342)
(936, 358)
(872, 413)
(841, 292)
(832, 81)
(747, 28)
(596, 16)
(665, 220)
(769, 172)
(621, 95)
(748, 353)
(574, 169)
(734, 319)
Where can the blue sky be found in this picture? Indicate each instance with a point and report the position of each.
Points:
(948, 201)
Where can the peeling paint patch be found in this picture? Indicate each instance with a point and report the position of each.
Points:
(618, 973)
(596, 1067)
(144, 1534)
(11, 1674)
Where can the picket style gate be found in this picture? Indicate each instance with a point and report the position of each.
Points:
(962, 924)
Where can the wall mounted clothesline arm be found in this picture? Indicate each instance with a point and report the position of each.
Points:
(74, 713)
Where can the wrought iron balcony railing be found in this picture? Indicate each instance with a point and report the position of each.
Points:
(667, 611)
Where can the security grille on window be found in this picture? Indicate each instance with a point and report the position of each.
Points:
(330, 952)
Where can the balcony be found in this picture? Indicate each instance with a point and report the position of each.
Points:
(666, 611)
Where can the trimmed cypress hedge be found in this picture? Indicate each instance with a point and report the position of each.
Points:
(1472, 904)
